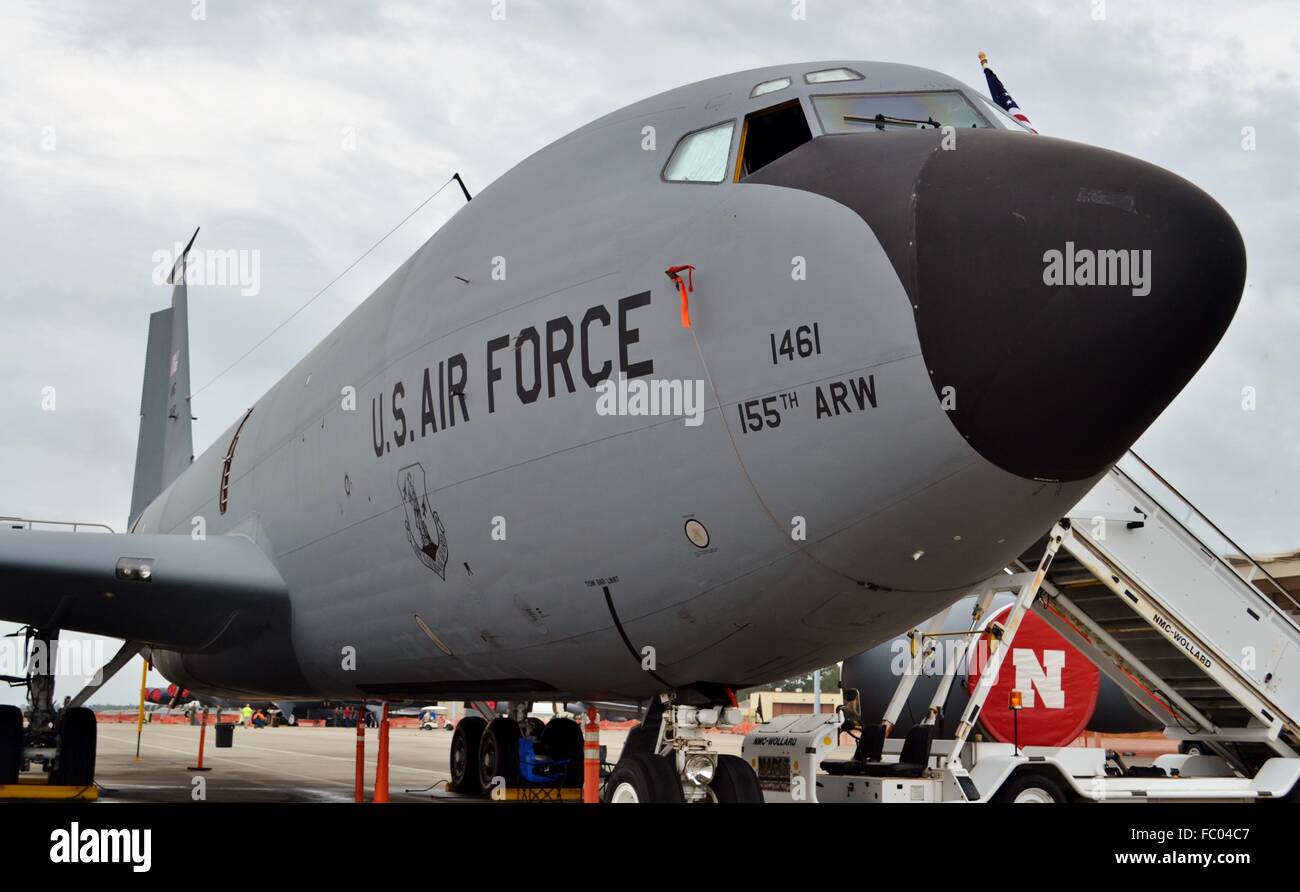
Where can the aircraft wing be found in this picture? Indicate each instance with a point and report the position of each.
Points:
(171, 591)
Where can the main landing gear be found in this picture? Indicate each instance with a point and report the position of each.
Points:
(667, 758)
(62, 742)
(515, 751)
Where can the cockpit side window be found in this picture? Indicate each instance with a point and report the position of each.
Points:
(701, 157)
(871, 112)
(769, 134)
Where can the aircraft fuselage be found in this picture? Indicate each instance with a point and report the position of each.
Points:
(456, 515)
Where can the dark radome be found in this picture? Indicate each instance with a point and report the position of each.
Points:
(1016, 336)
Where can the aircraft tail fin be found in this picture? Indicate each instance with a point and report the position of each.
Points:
(165, 446)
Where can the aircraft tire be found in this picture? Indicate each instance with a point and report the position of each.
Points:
(77, 738)
(11, 744)
(735, 781)
(465, 741)
(537, 726)
(637, 741)
(562, 739)
(499, 754)
(641, 777)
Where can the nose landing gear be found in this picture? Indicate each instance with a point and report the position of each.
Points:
(669, 758)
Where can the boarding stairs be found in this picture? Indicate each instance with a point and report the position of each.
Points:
(1196, 632)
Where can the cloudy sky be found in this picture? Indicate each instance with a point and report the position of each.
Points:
(305, 130)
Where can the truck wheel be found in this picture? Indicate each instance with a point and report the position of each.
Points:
(499, 754)
(11, 744)
(464, 755)
(641, 777)
(735, 781)
(1031, 787)
(76, 759)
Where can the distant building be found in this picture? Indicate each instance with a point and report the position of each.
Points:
(767, 705)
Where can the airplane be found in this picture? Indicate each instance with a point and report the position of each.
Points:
(289, 712)
(462, 493)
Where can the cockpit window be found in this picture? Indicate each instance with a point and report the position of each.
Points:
(701, 157)
(769, 134)
(771, 86)
(830, 75)
(871, 112)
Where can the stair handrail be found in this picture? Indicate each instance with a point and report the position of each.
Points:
(77, 525)
(1245, 555)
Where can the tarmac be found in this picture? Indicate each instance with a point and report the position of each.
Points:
(285, 764)
(318, 764)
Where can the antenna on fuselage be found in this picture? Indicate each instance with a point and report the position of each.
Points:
(364, 254)
(461, 183)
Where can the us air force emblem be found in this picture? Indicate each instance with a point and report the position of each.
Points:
(424, 529)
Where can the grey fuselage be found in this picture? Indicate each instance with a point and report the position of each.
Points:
(521, 544)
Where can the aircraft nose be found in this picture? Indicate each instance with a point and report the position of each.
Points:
(1064, 293)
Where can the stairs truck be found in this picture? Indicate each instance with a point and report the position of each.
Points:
(1172, 611)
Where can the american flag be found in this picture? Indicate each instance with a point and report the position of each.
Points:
(1001, 96)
